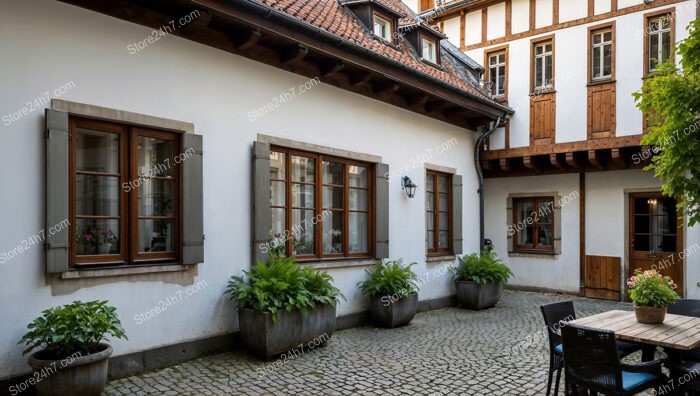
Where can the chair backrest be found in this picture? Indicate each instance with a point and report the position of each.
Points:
(556, 316)
(685, 306)
(591, 358)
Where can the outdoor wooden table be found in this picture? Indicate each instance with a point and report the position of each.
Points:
(677, 331)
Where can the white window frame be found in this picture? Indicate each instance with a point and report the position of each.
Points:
(431, 56)
(539, 85)
(600, 47)
(658, 36)
(384, 22)
(494, 73)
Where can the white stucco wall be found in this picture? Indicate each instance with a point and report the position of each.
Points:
(453, 30)
(544, 10)
(496, 21)
(520, 16)
(46, 44)
(472, 28)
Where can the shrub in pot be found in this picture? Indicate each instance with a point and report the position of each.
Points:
(479, 279)
(73, 360)
(392, 288)
(651, 294)
(282, 306)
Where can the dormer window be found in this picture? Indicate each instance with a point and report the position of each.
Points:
(429, 50)
(382, 27)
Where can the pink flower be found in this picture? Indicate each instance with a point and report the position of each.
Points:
(629, 284)
(633, 279)
(646, 273)
(88, 237)
(670, 283)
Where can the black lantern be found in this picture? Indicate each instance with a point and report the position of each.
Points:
(408, 186)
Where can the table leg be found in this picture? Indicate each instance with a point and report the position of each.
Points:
(648, 352)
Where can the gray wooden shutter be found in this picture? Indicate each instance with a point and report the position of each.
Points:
(381, 202)
(192, 200)
(262, 214)
(57, 183)
(457, 214)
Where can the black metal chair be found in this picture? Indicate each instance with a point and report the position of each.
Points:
(592, 363)
(686, 376)
(687, 307)
(556, 316)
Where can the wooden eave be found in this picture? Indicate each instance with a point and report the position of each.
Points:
(618, 153)
(307, 50)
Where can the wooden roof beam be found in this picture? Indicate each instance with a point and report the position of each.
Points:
(293, 54)
(247, 39)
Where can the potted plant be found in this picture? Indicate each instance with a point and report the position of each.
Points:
(74, 358)
(282, 306)
(105, 240)
(393, 293)
(479, 279)
(651, 294)
(84, 241)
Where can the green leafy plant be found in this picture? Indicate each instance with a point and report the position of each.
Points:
(282, 285)
(481, 269)
(651, 289)
(389, 278)
(670, 101)
(76, 327)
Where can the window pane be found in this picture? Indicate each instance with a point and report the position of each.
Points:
(429, 201)
(607, 37)
(502, 58)
(277, 165)
(430, 221)
(654, 26)
(358, 176)
(544, 235)
(545, 213)
(155, 157)
(97, 151)
(493, 59)
(548, 48)
(97, 195)
(155, 235)
(548, 70)
(303, 195)
(97, 237)
(156, 198)
(443, 202)
(596, 62)
(539, 50)
(666, 22)
(443, 184)
(538, 72)
(278, 193)
(430, 239)
(303, 169)
(429, 182)
(358, 232)
(596, 38)
(333, 173)
(444, 221)
(358, 199)
(303, 231)
(607, 61)
(653, 51)
(278, 222)
(666, 46)
(333, 233)
(524, 211)
(525, 235)
(444, 239)
(333, 197)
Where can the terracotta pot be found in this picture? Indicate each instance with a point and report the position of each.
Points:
(650, 315)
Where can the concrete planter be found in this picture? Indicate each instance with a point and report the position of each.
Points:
(386, 313)
(79, 376)
(293, 330)
(474, 296)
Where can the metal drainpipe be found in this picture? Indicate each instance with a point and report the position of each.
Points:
(477, 162)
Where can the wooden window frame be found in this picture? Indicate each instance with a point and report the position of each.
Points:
(392, 25)
(487, 66)
(598, 29)
(435, 43)
(128, 198)
(318, 209)
(437, 250)
(647, 19)
(535, 201)
(534, 43)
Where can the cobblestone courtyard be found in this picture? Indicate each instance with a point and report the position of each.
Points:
(500, 351)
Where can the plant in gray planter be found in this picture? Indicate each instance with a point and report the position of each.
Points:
(479, 279)
(393, 293)
(74, 358)
(282, 306)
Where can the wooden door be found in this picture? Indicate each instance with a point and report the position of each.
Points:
(542, 118)
(601, 111)
(656, 236)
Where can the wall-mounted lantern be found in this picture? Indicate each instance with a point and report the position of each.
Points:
(408, 186)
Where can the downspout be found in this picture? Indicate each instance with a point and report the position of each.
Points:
(477, 162)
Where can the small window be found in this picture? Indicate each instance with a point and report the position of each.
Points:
(659, 33)
(125, 193)
(543, 67)
(533, 224)
(601, 54)
(321, 205)
(438, 212)
(382, 27)
(497, 73)
(429, 50)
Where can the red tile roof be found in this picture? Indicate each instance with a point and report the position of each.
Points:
(338, 20)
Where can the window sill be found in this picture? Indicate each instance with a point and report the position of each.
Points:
(329, 264)
(535, 254)
(122, 271)
(601, 82)
(440, 258)
(543, 91)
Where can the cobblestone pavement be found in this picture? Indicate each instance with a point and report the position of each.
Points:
(500, 351)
